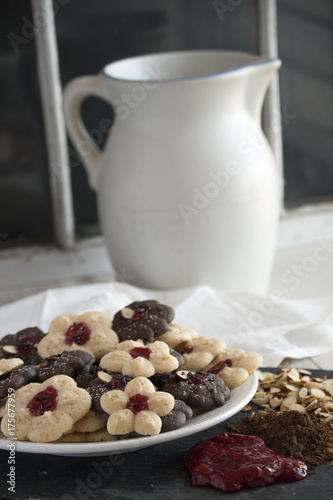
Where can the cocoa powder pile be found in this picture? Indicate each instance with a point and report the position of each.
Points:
(294, 433)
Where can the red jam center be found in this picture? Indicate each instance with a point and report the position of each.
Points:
(25, 346)
(78, 333)
(137, 403)
(142, 352)
(231, 462)
(222, 364)
(196, 378)
(43, 401)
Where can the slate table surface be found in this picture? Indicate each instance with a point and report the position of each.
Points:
(157, 473)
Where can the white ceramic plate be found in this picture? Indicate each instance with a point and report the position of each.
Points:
(238, 399)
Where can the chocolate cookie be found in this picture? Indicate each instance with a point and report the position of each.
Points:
(67, 363)
(98, 387)
(203, 391)
(22, 345)
(16, 379)
(143, 320)
(177, 417)
(177, 355)
(87, 375)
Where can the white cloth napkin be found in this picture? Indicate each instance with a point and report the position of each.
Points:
(277, 329)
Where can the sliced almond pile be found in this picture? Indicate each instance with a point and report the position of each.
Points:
(293, 389)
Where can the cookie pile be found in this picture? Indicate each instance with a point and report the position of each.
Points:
(93, 379)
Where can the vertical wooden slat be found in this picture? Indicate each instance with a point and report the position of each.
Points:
(268, 46)
(51, 96)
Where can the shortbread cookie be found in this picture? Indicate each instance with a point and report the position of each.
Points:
(143, 320)
(91, 422)
(17, 378)
(137, 408)
(199, 352)
(177, 417)
(176, 334)
(2, 408)
(234, 366)
(158, 378)
(72, 437)
(104, 383)
(43, 412)
(67, 363)
(135, 359)
(22, 345)
(8, 365)
(90, 332)
(99, 436)
(84, 437)
(202, 391)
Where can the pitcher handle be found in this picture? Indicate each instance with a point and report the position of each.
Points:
(74, 94)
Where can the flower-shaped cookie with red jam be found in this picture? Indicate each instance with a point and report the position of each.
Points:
(139, 407)
(176, 334)
(44, 412)
(135, 359)
(234, 366)
(199, 352)
(91, 332)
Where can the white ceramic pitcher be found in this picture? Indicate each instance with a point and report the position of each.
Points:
(187, 187)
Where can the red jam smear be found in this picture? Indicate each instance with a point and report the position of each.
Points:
(43, 401)
(25, 346)
(78, 333)
(137, 403)
(231, 462)
(142, 352)
(222, 364)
